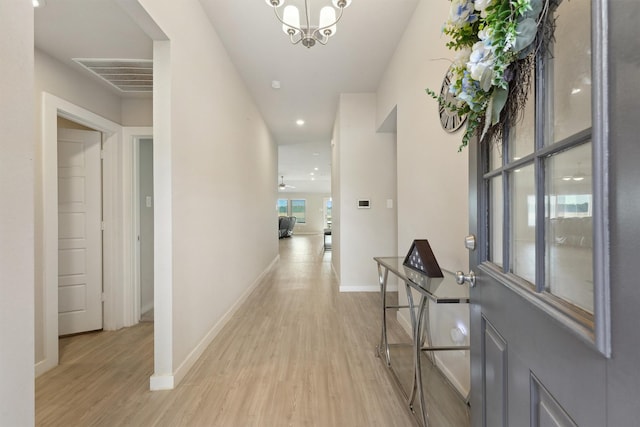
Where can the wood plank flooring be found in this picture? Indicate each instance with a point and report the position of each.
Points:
(297, 353)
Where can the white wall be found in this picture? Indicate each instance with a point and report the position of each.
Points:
(16, 214)
(314, 211)
(432, 175)
(136, 112)
(220, 162)
(367, 170)
(71, 85)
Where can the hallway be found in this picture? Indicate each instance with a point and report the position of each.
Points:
(297, 353)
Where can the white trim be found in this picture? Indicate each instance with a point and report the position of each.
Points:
(161, 382)
(41, 367)
(450, 376)
(170, 381)
(163, 219)
(112, 240)
(364, 288)
(144, 308)
(405, 324)
(52, 107)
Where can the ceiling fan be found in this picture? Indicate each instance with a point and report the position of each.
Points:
(282, 185)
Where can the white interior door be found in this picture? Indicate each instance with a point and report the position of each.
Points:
(79, 231)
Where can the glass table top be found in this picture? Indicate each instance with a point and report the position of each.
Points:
(439, 289)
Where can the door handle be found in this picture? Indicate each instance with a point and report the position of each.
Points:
(470, 278)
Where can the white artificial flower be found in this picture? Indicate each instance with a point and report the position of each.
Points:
(480, 65)
(462, 57)
(481, 6)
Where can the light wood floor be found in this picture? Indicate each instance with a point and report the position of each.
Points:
(297, 353)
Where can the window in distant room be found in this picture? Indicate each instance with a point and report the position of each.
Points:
(283, 206)
(298, 208)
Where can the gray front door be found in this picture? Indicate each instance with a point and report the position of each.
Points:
(540, 320)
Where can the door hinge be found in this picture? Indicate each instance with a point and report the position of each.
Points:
(102, 297)
(102, 226)
(102, 154)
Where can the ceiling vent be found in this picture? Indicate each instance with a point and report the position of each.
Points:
(126, 75)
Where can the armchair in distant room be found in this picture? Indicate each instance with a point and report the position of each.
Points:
(285, 226)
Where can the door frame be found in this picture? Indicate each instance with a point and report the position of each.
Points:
(112, 240)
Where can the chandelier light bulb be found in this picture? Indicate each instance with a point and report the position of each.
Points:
(291, 18)
(274, 3)
(327, 17)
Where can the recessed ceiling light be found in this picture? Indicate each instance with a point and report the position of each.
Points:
(275, 84)
(299, 122)
(311, 174)
(315, 169)
(38, 3)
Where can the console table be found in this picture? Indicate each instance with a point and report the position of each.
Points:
(439, 290)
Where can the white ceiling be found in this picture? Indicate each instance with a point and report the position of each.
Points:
(311, 79)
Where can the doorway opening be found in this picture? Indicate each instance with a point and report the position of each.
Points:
(144, 223)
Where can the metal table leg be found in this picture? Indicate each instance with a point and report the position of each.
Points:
(383, 347)
(418, 339)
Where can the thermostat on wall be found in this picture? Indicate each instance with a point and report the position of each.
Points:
(364, 204)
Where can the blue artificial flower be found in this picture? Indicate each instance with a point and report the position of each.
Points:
(461, 13)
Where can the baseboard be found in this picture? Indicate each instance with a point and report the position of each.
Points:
(365, 288)
(404, 323)
(195, 354)
(464, 393)
(406, 326)
(360, 288)
(161, 382)
(146, 308)
(42, 367)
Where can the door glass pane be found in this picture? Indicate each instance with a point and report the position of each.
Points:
(497, 220)
(495, 155)
(523, 223)
(570, 70)
(569, 227)
(522, 135)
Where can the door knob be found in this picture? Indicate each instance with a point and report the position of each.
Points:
(470, 278)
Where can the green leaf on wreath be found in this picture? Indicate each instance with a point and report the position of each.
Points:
(534, 12)
(499, 100)
(526, 32)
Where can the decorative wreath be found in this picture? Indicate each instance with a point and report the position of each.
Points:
(496, 42)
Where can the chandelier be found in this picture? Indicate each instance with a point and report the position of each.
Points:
(306, 33)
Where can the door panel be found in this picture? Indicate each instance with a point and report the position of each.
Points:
(494, 373)
(79, 232)
(545, 409)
